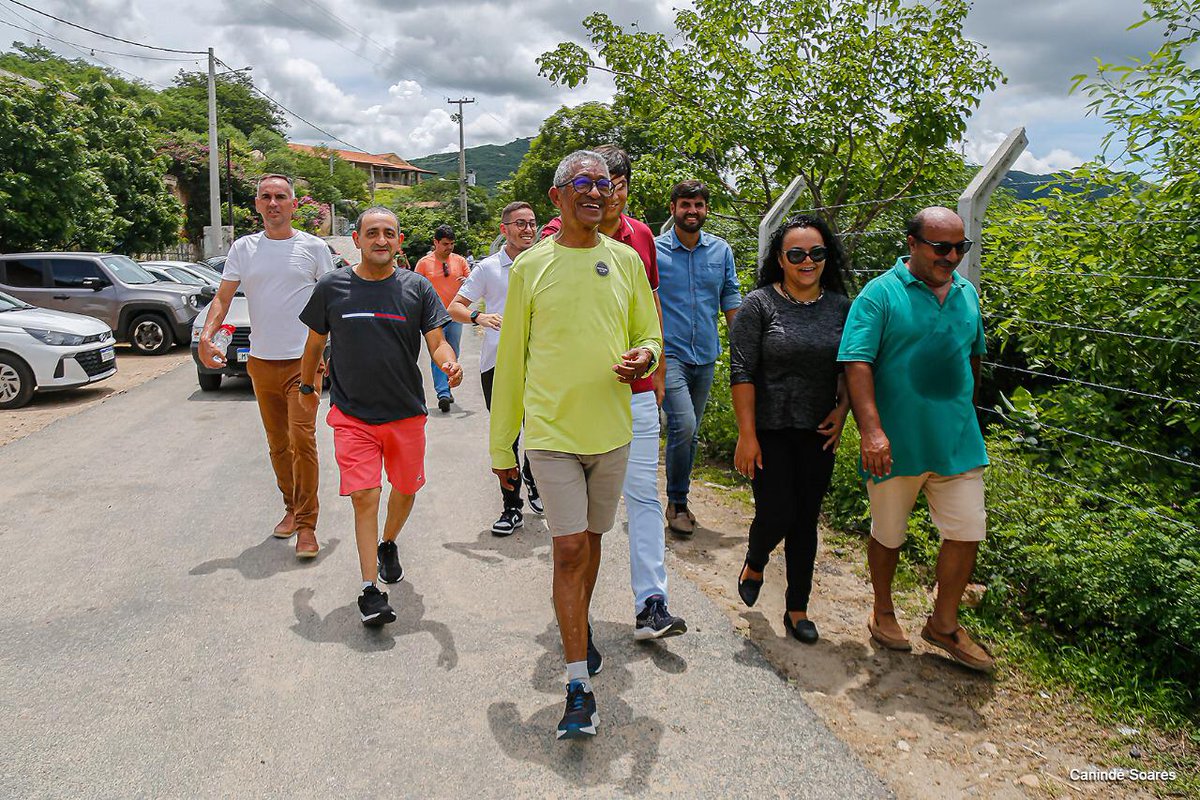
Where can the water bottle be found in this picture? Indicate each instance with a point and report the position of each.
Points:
(221, 341)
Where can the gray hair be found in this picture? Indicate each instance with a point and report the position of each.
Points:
(376, 210)
(275, 176)
(571, 164)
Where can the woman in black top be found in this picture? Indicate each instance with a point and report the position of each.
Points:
(790, 399)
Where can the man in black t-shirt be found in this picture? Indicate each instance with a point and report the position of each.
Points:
(378, 316)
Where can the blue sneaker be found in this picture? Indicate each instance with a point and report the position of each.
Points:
(594, 659)
(656, 622)
(580, 719)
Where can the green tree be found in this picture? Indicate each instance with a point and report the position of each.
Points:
(186, 155)
(861, 98)
(41, 64)
(185, 104)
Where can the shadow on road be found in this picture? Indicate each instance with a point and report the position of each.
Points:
(525, 543)
(622, 734)
(344, 625)
(265, 559)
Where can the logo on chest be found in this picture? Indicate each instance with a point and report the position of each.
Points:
(601, 269)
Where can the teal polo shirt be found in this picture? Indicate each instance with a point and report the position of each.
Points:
(920, 351)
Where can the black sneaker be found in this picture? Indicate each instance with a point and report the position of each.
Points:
(655, 621)
(535, 502)
(594, 659)
(390, 570)
(374, 609)
(510, 520)
(580, 719)
(444, 404)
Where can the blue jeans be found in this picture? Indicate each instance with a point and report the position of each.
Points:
(441, 384)
(647, 568)
(687, 395)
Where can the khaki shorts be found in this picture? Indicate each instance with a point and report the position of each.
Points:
(955, 504)
(580, 493)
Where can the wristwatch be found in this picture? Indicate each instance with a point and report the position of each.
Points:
(307, 388)
(475, 317)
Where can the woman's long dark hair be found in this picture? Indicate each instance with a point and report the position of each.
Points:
(832, 278)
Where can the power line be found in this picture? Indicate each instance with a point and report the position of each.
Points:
(1095, 330)
(294, 114)
(77, 46)
(107, 36)
(1133, 392)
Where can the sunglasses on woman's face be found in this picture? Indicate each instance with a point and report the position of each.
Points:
(944, 248)
(797, 255)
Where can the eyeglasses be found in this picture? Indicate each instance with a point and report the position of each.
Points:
(523, 224)
(584, 185)
(797, 255)
(944, 248)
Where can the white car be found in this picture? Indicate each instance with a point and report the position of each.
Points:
(43, 350)
(237, 315)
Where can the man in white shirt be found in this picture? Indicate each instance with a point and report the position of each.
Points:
(488, 282)
(277, 270)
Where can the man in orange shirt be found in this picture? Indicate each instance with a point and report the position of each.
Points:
(447, 271)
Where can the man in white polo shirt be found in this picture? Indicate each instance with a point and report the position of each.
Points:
(277, 270)
(488, 282)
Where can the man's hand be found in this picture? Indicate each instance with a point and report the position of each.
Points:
(634, 364)
(832, 426)
(310, 402)
(510, 478)
(454, 372)
(876, 453)
(747, 455)
(659, 379)
(210, 356)
(492, 321)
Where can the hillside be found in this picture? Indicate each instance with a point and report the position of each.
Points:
(492, 162)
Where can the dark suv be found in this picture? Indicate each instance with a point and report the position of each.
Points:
(148, 314)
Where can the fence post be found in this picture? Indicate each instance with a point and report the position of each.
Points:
(775, 216)
(973, 202)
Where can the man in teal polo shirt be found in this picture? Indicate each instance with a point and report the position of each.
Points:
(912, 345)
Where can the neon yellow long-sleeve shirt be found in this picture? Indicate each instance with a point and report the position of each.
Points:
(570, 314)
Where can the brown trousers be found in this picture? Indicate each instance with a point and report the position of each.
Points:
(291, 435)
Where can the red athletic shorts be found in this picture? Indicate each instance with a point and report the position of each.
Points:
(361, 449)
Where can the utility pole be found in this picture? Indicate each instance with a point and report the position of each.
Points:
(462, 157)
(229, 180)
(333, 229)
(214, 242)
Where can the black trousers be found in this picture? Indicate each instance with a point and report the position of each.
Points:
(787, 501)
(512, 497)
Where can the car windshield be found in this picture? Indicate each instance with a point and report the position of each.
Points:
(207, 272)
(185, 277)
(128, 271)
(10, 303)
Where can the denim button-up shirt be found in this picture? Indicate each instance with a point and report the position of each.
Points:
(693, 286)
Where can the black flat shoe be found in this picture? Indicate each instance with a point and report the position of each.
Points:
(804, 630)
(748, 588)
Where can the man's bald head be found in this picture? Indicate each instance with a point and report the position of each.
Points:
(938, 217)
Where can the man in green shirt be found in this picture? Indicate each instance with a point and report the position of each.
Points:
(579, 324)
(912, 345)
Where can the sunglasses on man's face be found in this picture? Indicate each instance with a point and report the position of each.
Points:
(797, 255)
(584, 185)
(944, 248)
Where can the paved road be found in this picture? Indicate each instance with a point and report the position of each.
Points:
(155, 641)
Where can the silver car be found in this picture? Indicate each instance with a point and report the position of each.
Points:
(150, 315)
(42, 350)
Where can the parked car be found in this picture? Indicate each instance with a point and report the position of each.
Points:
(216, 262)
(238, 315)
(185, 272)
(339, 260)
(43, 350)
(150, 315)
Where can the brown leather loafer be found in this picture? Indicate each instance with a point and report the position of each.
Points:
(286, 527)
(683, 523)
(306, 543)
(890, 642)
(959, 646)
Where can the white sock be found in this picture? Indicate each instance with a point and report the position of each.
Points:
(577, 671)
(366, 584)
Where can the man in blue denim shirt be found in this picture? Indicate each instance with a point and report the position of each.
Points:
(697, 279)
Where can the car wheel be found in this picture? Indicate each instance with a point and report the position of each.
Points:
(16, 382)
(209, 382)
(150, 335)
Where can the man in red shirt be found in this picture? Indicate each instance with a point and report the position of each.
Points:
(648, 572)
(447, 271)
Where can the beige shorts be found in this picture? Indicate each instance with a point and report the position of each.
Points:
(580, 493)
(955, 504)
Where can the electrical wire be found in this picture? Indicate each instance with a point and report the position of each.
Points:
(77, 46)
(107, 36)
(1132, 392)
(1095, 330)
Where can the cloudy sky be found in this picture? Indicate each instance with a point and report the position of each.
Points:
(377, 73)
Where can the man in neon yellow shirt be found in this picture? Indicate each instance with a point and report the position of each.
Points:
(579, 309)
